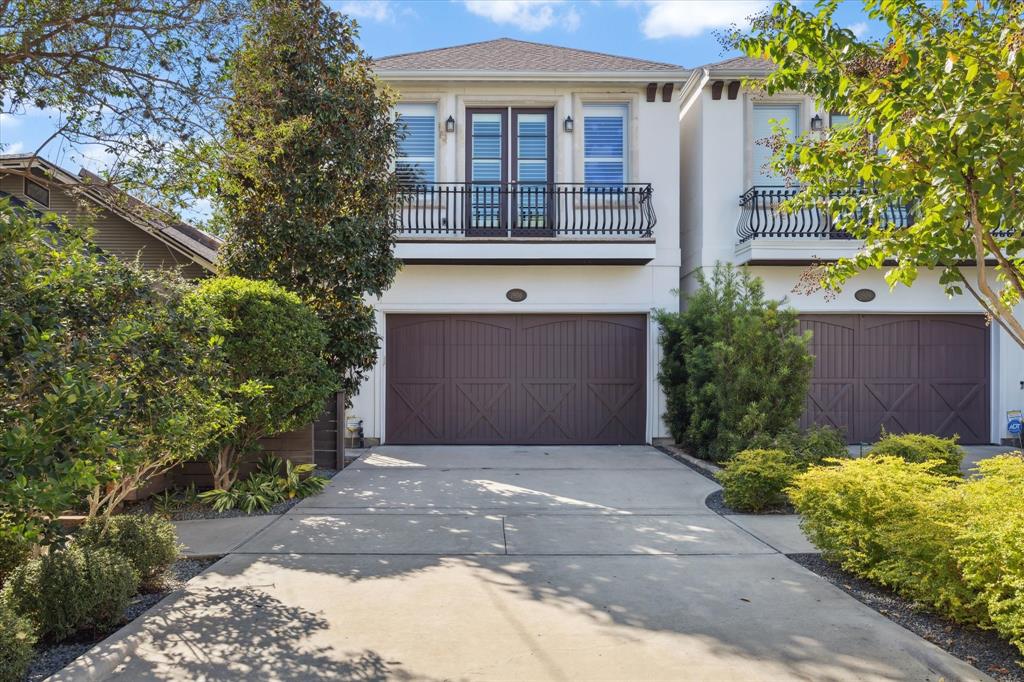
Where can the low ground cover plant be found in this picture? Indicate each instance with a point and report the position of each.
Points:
(148, 541)
(949, 544)
(919, 447)
(275, 480)
(735, 366)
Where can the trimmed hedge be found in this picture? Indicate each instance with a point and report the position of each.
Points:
(755, 480)
(949, 544)
(17, 638)
(71, 590)
(919, 447)
(148, 541)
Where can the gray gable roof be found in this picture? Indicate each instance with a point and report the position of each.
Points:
(508, 55)
(745, 65)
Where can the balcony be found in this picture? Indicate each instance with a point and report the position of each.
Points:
(766, 233)
(525, 223)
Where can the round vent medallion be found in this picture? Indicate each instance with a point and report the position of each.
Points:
(864, 295)
(515, 295)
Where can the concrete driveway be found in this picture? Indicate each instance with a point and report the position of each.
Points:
(512, 563)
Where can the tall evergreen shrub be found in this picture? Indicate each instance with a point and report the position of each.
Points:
(734, 366)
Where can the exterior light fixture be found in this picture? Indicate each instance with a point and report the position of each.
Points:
(567, 124)
(449, 125)
(816, 122)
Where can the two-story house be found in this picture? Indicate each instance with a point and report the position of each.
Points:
(909, 359)
(539, 229)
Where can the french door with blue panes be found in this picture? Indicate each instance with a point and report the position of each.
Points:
(509, 167)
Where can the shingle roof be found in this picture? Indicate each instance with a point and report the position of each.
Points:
(506, 54)
(200, 246)
(742, 64)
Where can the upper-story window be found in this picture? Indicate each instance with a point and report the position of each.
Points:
(838, 120)
(764, 114)
(37, 193)
(416, 158)
(605, 145)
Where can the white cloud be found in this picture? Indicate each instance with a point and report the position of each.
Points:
(369, 10)
(860, 29)
(670, 18)
(527, 15)
(12, 148)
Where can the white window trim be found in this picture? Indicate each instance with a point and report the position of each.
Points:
(420, 108)
(804, 106)
(619, 108)
(631, 143)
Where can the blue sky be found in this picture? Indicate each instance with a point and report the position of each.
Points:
(674, 31)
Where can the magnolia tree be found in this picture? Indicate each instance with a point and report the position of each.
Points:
(303, 179)
(936, 120)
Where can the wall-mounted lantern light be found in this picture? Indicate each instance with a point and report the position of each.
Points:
(449, 125)
(567, 124)
(816, 122)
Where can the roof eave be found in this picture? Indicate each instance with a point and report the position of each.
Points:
(546, 76)
(738, 73)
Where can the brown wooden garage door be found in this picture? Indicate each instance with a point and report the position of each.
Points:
(523, 379)
(903, 373)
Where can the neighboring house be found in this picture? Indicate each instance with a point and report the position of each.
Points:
(121, 226)
(539, 229)
(910, 359)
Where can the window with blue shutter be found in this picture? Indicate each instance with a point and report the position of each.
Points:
(604, 144)
(416, 158)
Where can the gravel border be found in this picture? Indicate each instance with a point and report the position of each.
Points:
(199, 510)
(983, 649)
(51, 658)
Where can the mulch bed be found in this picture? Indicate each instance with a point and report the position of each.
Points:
(981, 648)
(51, 658)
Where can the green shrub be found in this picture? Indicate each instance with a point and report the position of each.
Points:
(949, 544)
(755, 480)
(17, 639)
(988, 545)
(71, 590)
(809, 447)
(14, 550)
(278, 376)
(149, 542)
(734, 365)
(918, 447)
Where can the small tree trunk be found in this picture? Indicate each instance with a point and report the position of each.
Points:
(224, 468)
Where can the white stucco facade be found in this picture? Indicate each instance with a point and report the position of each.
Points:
(717, 138)
(600, 275)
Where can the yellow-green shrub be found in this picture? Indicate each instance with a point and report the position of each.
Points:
(755, 480)
(919, 447)
(989, 546)
(950, 544)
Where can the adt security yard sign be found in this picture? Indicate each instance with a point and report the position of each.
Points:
(1014, 424)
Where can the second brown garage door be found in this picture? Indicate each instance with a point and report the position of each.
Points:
(903, 373)
(522, 379)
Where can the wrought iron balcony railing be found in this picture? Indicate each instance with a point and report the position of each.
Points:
(760, 216)
(521, 209)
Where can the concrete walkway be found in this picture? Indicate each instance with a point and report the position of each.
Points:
(504, 563)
